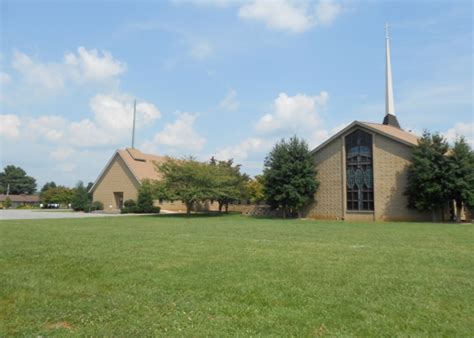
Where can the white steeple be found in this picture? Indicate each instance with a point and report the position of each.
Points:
(389, 102)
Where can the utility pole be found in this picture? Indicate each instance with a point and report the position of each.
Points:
(134, 117)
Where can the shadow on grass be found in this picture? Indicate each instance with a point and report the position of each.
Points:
(196, 215)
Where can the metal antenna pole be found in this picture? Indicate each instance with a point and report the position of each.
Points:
(134, 117)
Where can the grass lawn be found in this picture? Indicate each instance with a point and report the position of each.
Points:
(233, 275)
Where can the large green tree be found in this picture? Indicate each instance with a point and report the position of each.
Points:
(48, 185)
(229, 182)
(461, 175)
(255, 189)
(289, 176)
(16, 181)
(80, 198)
(186, 180)
(428, 187)
(59, 194)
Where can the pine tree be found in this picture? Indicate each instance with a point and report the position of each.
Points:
(461, 175)
(428, 179)
(289, 176)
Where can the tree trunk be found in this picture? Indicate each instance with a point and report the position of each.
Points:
(220, 206)
(189, 206)
(458, 210)
(227, 208)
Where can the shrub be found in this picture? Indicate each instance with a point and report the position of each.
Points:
(129, 203)
(145, 201)
(8, 203)
(80, 198)
(97, 205)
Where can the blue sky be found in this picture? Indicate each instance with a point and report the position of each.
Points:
(222, 78)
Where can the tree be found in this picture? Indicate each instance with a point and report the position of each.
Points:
(60, 195)
(187, 180)
(255, 189)
(8, 203)
(88, 188)
(80, 199)
(47, 186)
(461, 175)
(428, 187)
(15, 180)
(289, 176)
(230, 183)
(145, 198)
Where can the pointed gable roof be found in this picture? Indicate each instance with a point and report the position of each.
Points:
(141, 165)
(391, 132)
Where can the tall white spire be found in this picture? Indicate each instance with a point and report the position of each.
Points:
(389, 102)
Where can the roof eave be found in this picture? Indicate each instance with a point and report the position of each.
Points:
(363, 125)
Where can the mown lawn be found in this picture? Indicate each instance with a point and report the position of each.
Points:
(232, 275)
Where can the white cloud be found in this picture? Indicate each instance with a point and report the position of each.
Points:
(321, 135)
(9, 126)
(47, 75)
(85, 133)
(293, 114)
(216, 3)
(67, 167)
(244, 149)
(278, 14)
(111, 124)
(465, 129)
(89, 65)
(49, 126)
(116, 112)
(326, 12)
(201, 50)
(293, 16)
(179, 135)
(61, 153)
(230, 103)
(5, 78)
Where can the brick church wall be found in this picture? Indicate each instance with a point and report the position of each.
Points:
(391, 161)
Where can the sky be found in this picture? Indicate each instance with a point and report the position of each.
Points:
(220, 78)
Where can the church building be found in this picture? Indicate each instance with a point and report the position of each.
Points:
(362, 169)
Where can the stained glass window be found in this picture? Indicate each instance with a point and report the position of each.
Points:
(359, 172)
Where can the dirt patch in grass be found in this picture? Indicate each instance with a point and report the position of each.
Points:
(58, 325)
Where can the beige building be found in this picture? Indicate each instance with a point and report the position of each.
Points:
(362, 172)
(120, 179)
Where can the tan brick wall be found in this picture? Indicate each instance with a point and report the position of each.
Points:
(117, 178)
(328, 198)
(391, 161)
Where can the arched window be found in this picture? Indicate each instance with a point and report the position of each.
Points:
(359, 171)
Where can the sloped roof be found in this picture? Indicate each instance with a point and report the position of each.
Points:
(141, 165)
(394, 133)
(20, 198)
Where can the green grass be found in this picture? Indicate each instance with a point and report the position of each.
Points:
(232, 275)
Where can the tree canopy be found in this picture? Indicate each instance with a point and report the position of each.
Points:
(191, 181)
(440, 174)
(16, 181)
(289, 176)
(57, 194)
(48, 185)
(80, 198)
(461, 174)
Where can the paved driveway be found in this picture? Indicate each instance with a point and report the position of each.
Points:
(44, 214)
